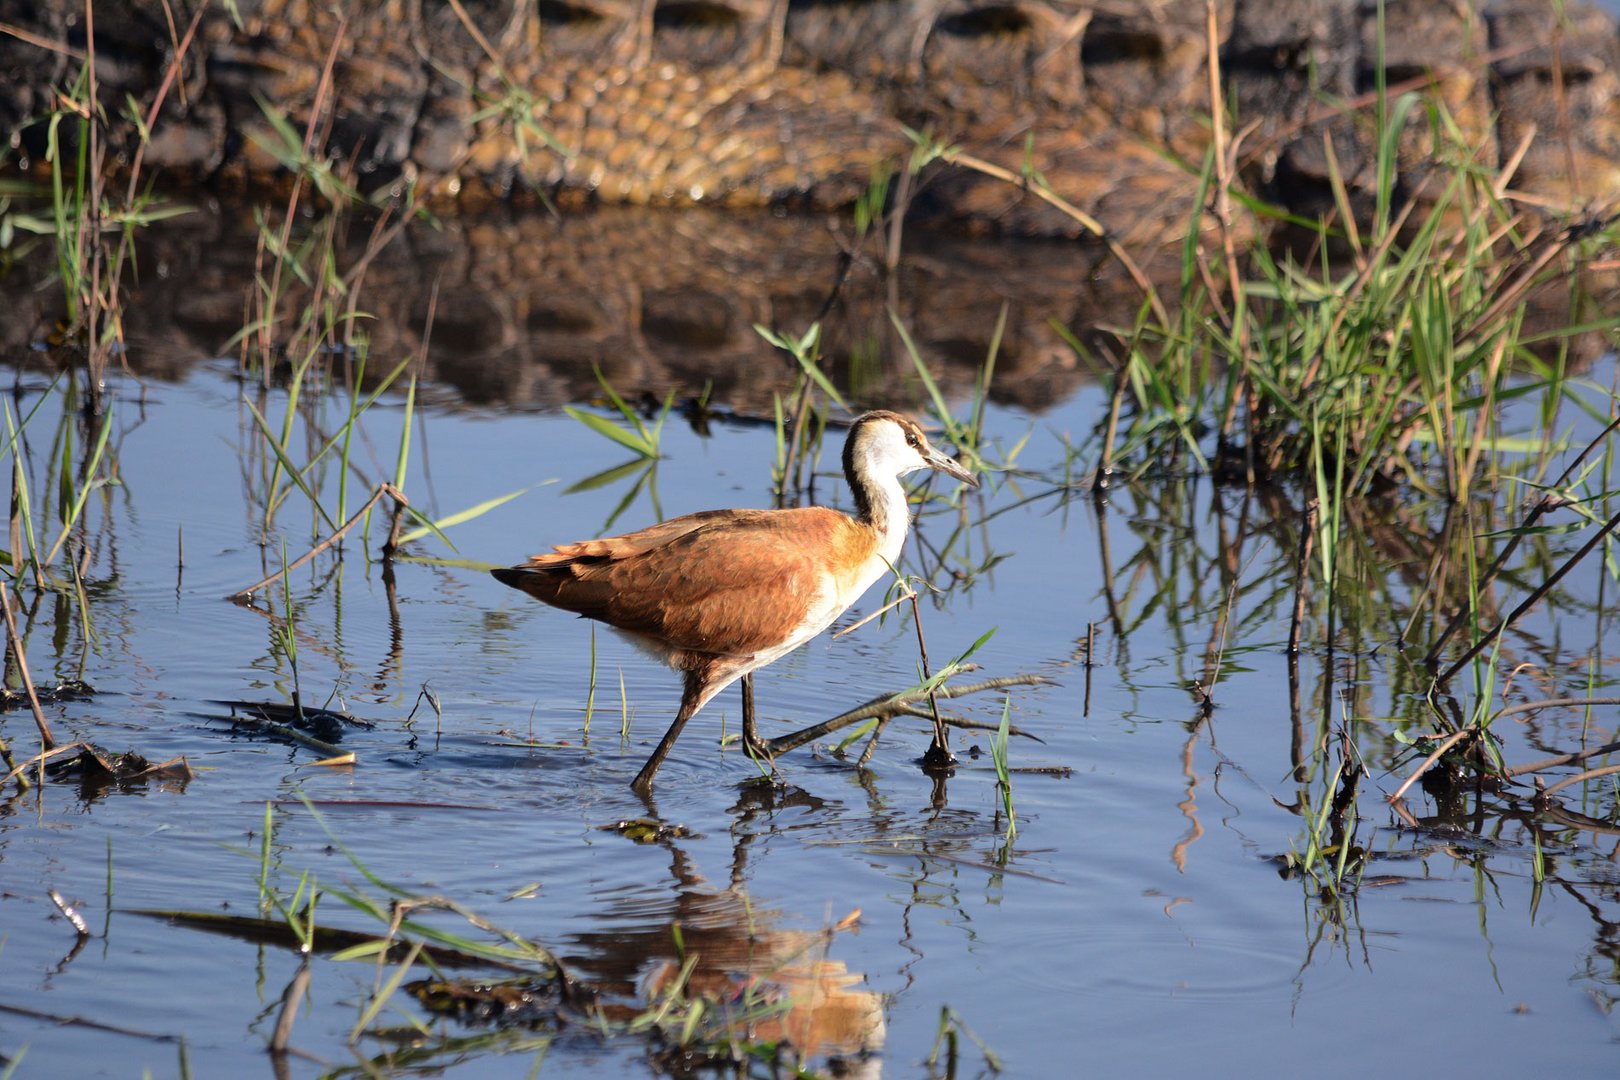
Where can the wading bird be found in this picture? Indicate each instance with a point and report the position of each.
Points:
(720, 593)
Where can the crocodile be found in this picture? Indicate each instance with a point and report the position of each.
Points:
(1102, 103)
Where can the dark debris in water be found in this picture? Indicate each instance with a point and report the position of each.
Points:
(759, 795)
(69, 690)
(644, 830)
(318, 729)
(325, 939)
(322, 723)
(526, 1001)
(97, 770)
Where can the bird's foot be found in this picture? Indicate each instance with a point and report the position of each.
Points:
(759, 752)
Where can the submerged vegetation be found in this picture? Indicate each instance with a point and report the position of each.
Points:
(1401, 464)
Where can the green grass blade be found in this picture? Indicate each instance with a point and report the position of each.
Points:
(83, 493)
(286, 463)
(402, 462)
(386, 991)
(464, 515)
(634, 441)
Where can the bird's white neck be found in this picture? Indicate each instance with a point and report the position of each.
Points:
(881, 448)
(882, 504)
(880, 500)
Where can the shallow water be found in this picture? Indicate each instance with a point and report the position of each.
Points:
(1139, 921)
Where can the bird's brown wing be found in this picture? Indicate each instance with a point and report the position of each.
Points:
(727, 581)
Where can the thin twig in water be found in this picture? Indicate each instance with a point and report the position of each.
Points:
(60, 1020)
(12, 769)
(1301, 564)
(1116, 403)
(45, 738)
(889, 706)
(383, 488)
(1530, 601)
(1446, 744)
(1212, 670)
(69, 913)
(1555, 703)
(290, 998)
(41, 758)
(940, 752)
(1090, 664)
(1590, 774)
(1572, 758)
(1543, 505)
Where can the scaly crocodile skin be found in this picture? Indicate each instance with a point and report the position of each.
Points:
(803, 101)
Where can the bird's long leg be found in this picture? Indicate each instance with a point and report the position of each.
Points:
(690, 697)
(755, 746)
(750, 739)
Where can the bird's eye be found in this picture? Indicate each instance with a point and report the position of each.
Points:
(912, 440)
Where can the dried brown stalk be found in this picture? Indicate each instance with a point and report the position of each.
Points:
(1543, 505)
(41, 758)
(1530, 601)
(1085, 220)
(1306, 538)
(290, 999)
(889, 706)
(45, 738)
(1445, 744)
(383, 488)
(1589, 774)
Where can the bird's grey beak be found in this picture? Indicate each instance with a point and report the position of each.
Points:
(949, 467)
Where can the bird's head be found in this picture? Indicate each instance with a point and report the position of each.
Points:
(883, 443)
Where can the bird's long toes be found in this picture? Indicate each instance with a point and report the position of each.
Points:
(759, 751)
